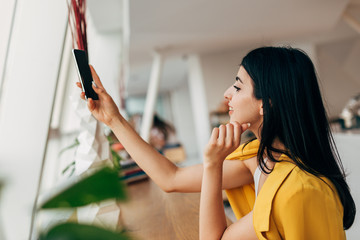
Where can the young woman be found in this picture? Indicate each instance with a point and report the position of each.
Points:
(293, 162)
(162, 135)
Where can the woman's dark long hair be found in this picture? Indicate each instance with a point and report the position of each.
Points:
(286, 81)
(164, 127)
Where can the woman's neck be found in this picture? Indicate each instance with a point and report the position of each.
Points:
(277, 144)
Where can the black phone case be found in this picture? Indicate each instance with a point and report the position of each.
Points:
(84, 73)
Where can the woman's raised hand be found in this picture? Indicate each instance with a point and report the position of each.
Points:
(223, 141)
(104, 109)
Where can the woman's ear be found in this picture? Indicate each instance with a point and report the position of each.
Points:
(261, 109)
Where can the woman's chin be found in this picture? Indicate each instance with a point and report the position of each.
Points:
(234, 119)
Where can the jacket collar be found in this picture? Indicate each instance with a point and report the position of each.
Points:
(263, 204)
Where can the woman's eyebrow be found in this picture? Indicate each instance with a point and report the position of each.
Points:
(238, 79)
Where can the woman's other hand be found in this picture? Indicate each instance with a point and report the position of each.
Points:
(104, 109)
(223, 141)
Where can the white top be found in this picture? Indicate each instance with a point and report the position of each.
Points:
(257, 175)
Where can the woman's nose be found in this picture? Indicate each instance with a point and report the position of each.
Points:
(227, 94)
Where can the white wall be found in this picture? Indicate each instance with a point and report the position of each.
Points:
(339, 72)
(220, 70)
(348, 146)
(26, 104)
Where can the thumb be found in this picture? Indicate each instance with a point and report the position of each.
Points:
(245, 126)
(98, 90)
(95, 77)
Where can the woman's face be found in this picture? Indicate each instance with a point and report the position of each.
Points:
(243, 106)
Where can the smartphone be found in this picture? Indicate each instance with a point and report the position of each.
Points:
(84, 73)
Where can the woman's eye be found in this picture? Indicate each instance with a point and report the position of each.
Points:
(237, 88)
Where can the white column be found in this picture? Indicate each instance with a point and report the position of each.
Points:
(151, 97)
(7, 13)
(26, 105)
(198, 101)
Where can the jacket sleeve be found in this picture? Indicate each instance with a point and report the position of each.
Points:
(311, 213)
(245, 151)
(242, 199)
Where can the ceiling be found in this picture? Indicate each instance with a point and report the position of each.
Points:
(203, 25)
(176, 28)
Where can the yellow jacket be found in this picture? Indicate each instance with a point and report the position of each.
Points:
(292, 204)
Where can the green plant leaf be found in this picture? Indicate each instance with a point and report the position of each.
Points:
(75, 231)
(95, 187)
(70, 165)
(116, 159)
(76, 143)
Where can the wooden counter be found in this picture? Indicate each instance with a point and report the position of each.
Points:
(151, 213)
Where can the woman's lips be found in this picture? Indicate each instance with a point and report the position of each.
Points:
(231, 110)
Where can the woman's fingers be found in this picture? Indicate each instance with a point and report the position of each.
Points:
(229, 135)
(224, 140)
(97, 85)
(222, 135)
(82, 95)
(96, 78)
(214, 135)
(91, 104)
(237, 132)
